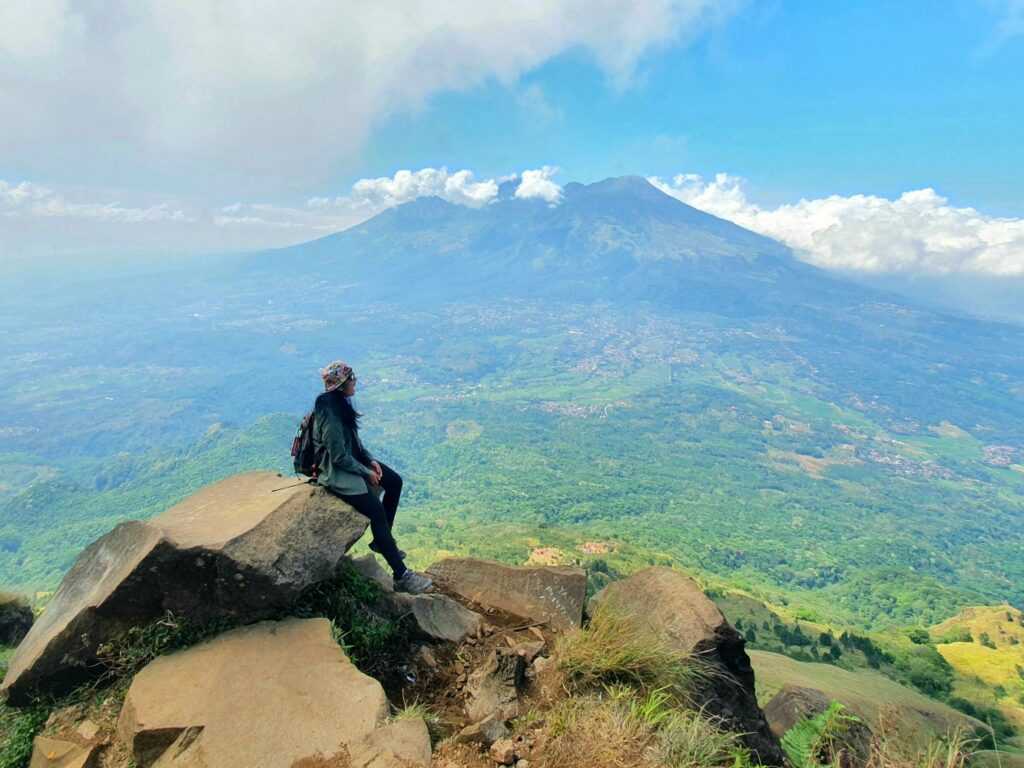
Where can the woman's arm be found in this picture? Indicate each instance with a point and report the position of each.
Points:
(369, 457)
(337, 441)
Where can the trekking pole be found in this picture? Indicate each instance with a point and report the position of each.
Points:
(293, 485)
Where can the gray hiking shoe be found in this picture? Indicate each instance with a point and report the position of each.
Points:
(413, 583)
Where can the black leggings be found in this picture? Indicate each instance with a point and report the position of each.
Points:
(382, 516)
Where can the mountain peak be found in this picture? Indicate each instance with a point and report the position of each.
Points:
(623, 184)
(615, 186)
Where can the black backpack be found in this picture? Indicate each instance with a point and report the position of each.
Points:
(305, 457)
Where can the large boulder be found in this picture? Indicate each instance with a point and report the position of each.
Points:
(675, 607)
(553, 595)
(15, 619)
(241, 549)
(270, 695)
(434, 616)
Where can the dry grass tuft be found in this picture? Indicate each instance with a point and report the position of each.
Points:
(889, 751)
(689, 739)
(617, 647)
(598, 733)
(626, 727)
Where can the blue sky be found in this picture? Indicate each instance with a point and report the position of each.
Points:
(865, 97)
(838, 128)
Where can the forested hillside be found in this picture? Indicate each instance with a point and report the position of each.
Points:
(747, 415)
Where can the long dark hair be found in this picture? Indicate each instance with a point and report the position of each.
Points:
(349, 415)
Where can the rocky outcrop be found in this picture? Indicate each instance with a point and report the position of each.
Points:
(402, 744)
(553, 595)
(435, 616)
(793, 704)
(489, 730)
(239, 549)
(675, 607)
(851, 747)
(270, 695)
(493, 689)
(15, 619)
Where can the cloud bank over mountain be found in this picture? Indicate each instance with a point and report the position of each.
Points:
(917, 233)
(172, 85)
(30, 213)
(34, 200)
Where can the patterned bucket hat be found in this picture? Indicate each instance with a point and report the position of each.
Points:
(335, 375)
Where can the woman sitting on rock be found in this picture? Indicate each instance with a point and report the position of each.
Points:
(351, 472)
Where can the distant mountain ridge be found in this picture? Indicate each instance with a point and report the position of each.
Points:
(620, 238)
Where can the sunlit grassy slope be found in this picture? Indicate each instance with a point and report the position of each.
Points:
(987, 654)
(868, 694)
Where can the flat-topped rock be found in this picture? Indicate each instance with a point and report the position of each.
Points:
(59, 753)
(551, 594)
(270, 695)
(241, 549)
(675, 607)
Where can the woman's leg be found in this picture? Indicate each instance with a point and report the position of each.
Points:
(369, 505)
(391, 482)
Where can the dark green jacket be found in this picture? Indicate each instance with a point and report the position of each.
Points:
(344, 464)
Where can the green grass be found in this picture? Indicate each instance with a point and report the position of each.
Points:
(818, 740)
(18, 728)
(373, 641)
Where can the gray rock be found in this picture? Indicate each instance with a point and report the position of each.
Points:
(369, 567)
(493, 689)
(503, 752)
(486, 732)
(529, 649)
(675, 607)
(402, 744)
(238, 549)
(792, 704)
(436, 616)
(550, 594)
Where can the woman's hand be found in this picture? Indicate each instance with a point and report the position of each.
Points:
(378, 473)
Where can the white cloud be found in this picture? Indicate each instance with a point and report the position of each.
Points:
(36, 29)
(538, 184)
(26, 206)
(917, 233)
(1009, 26)
(404, 186)
(370, 196)
(33, 200)
(276, 89)
(304, 223)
